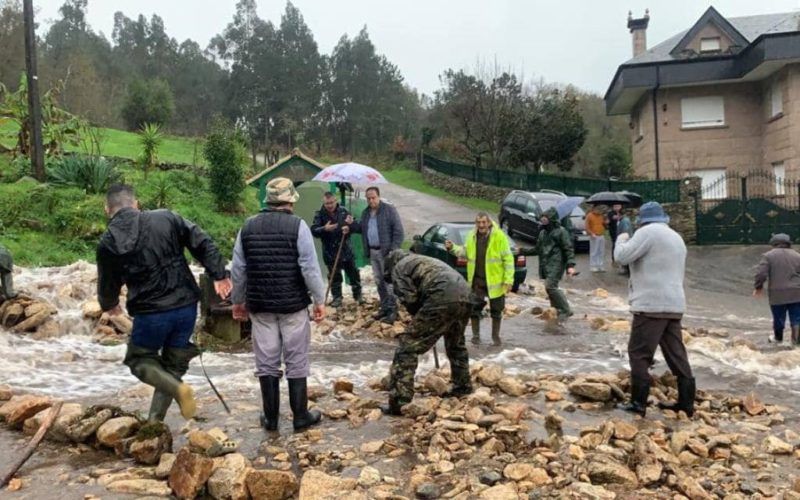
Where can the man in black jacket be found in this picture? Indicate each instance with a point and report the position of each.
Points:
(332, 223)
(382, 232)
(145, 251)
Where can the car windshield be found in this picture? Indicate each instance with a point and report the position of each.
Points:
(547, 204)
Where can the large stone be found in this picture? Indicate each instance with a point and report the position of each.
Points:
(342, 385)
(593, 391)
(776, 446)
(271, 484)
(507, 491)
(316, 485)
(92, 310)
(753, 405)
(12, 314)
(419, 407)
(5, 392)
(152, 441)
(587, 491)
(678, 441)
(200, 441)
(610, 472)
(147, 487)
(116, 429)
(369, 476)
(20, 408)
(649, 473)
(370, 447)
(435, 384)
(624, 430)
(80, 430)
(121, 323)
(512, 411)
(229, 480)
(692, 489)
(490, 375)
(512, 386)
(189, 473)
(164, 466)
(33, 322)
(518, 471)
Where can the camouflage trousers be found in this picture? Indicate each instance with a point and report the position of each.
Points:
(428, 325)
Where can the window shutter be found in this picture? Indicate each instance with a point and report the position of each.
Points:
(702, 111)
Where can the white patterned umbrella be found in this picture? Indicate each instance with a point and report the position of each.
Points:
(354, 173)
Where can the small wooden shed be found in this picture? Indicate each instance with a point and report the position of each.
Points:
(297, 166)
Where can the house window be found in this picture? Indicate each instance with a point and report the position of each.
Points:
(710, 44)
(776, 93)
(699, 112)
(779, 171)
(713, 183)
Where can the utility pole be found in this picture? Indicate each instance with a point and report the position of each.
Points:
(34, 107)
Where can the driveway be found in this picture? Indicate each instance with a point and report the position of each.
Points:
(419, 210)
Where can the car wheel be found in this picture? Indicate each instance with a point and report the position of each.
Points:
(506, 228)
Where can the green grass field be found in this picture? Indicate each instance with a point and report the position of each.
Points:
(124, 144)
(413, 179)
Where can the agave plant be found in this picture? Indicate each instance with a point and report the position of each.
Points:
(150, 138)
(94, 175)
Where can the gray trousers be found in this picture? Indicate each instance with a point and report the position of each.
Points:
(597, 252)
(277, 336)
(7, 282)
(385, 291)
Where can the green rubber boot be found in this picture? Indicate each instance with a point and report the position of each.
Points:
(146, 365)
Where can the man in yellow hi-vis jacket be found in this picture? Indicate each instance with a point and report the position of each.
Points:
(490, 271)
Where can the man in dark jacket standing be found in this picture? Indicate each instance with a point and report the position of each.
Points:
(145, 251)
(556, 256)
(439, 299)
(382, 232)
(781, 268)
(331, 224)
(275, 275)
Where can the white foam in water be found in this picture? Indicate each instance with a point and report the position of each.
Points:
(776, 367)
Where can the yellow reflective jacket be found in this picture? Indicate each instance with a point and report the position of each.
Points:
(499, 260)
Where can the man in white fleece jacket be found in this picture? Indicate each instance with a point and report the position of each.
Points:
(656, 255)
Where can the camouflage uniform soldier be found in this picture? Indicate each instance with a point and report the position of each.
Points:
(439, 299)
(6, 270)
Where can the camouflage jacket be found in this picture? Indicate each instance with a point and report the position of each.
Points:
(423, 281)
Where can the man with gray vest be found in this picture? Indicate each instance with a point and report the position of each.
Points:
(274, 270)
(657, 258)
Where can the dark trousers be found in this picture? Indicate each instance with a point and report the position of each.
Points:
(496, 305)
(349, 267)
(428, 325)
(779, 318)
(173, 328)
(647, 334)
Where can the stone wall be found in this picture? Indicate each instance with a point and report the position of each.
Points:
(682, 216)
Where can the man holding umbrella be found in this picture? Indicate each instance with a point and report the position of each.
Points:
(333, 225)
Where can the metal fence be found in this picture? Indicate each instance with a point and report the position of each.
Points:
(665, 191)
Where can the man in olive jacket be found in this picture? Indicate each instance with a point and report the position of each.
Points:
(438, 298)
(556, 255)
(145, 251)
(6, 274)
(781, 268)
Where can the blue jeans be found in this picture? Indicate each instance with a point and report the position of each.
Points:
(171, 328)
(779, 318)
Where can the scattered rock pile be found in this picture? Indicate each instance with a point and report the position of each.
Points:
(24, 314)
(107, 329)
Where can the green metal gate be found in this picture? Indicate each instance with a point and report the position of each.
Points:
(747, 209)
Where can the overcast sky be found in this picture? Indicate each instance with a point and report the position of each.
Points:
(569, 41)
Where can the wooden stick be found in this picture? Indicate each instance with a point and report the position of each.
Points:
(37, 438)
(333, 269)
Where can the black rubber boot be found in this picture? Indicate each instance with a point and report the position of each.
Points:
(336, 302)
(390, 317)
(640, 390)
(146, 365)
(392, 408)
(476, 329)
(302, 417)
(796, 335)
(457, 392)
(271, 400)
(686, 393)
(496, 322)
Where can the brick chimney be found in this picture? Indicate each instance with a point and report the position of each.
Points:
(638, 29)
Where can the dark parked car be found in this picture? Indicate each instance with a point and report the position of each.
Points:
(431, 243)
(521, 210)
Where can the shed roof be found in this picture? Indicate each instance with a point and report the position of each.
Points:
(296, 153)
